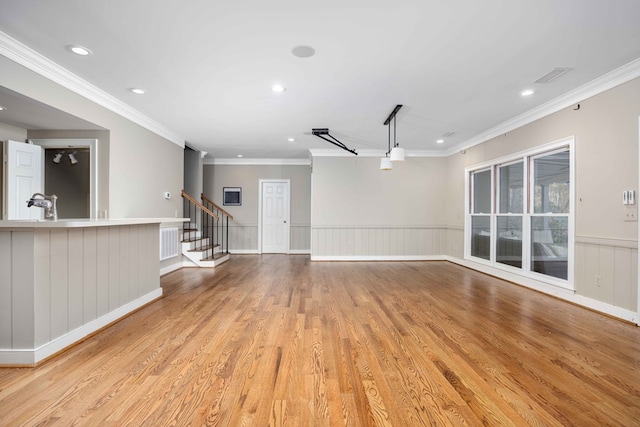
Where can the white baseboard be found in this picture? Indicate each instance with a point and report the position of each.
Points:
(170, 268)
(32, 356)
(243, 251)
(380, 258)
(300, 252)
(558, 292)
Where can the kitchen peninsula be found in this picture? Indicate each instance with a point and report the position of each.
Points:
(63, 280)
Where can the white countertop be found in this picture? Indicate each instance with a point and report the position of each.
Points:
(84, 222)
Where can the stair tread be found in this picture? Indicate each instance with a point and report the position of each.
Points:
(195, 239)
(215, 256)
(204, 248)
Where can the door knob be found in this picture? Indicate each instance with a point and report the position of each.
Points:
(285, 221)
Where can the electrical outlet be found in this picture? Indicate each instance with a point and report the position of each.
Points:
(598, 280)
(631, 213)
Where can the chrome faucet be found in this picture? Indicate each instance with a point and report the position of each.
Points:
(47, 202)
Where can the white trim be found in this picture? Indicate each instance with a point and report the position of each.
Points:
(258, 162)
(379, 258)
(390, 227)
(299, 251)
(171, 268)
(32, 60)
(32, 356)
(244, 252)
(602, 241)
(561, 293)
(540, 149)
(601, 84)
(638, 264)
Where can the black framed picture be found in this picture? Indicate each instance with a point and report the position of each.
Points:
(232, 196)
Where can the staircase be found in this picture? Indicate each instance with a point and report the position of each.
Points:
(205, 238)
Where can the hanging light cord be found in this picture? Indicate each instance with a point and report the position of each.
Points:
(388, 141)
(395, 144)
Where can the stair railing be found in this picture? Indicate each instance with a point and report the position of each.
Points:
(202, 225)
(223, 226)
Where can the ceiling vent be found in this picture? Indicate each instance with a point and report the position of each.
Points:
(448, 134)
(552, 75)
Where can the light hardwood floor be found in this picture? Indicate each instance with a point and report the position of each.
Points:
(278, 340)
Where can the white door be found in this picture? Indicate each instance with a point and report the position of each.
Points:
(24, 177)
(274, 198)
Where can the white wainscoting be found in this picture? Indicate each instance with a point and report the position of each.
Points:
(300, 237)
(243, 239)
(378, 242)
(607, 270)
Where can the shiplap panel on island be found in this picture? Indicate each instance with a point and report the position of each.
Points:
(63, 281)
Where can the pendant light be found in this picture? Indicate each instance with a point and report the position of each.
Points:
(397, 153)
(385, 162)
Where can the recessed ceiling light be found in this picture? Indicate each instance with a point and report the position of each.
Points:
(527, 92)
(303, 51)
(79, 50)
(240, 155)
(440, 141)
(2, 108)
(137, 91)
(277, 88)
(291, 139)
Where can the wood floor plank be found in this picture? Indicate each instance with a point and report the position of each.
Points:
(277, 340)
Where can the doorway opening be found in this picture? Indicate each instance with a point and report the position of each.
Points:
(70, 170)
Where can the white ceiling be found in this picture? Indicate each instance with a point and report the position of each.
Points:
(208, 66)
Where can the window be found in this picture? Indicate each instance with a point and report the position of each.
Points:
(510, 213)
(520, 215)
(481, 214)
(550, 218)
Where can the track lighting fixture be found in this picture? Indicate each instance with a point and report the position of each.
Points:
(58, 157)
(72, 158)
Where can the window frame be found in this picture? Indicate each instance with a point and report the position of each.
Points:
(527, 157)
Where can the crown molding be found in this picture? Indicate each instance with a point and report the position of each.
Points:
(330, 152)
(601, 84)
(32, 60)
(258, 162)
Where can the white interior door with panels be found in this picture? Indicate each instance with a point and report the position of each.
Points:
(274, 206)
(24, 176)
